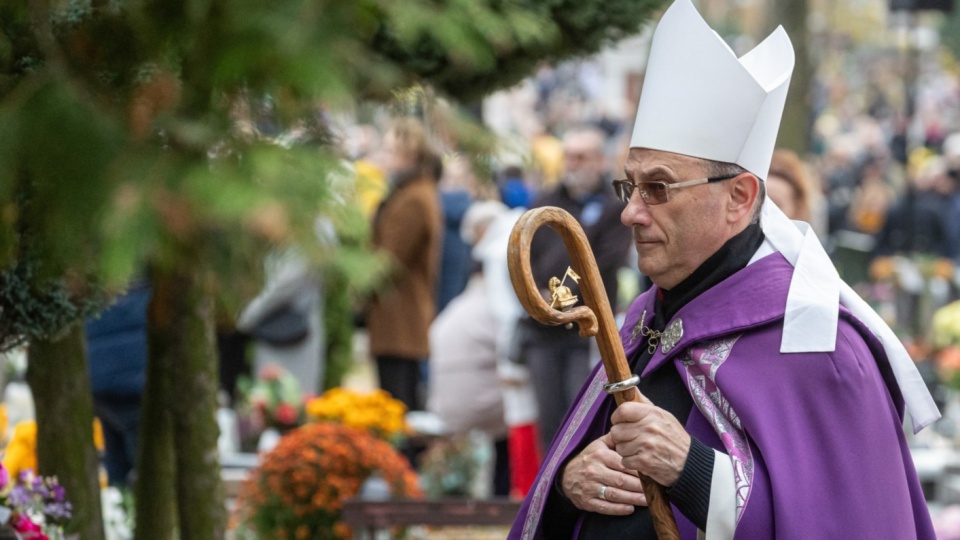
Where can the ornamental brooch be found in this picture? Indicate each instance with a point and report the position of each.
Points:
(671, 336)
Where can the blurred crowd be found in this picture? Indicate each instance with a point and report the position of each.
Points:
(880, 184)
(881, 189)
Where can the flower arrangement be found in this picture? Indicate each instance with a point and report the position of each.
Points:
(34, 507)
(21, 452)
(274, 399)
(946, 341)
(118, 512)
(376, 412)
(907, 291)
(924, 266)
(450, 467)
(299, 489)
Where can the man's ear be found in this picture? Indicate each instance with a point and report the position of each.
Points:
(744, 190)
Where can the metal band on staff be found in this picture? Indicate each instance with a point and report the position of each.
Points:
(622, 386)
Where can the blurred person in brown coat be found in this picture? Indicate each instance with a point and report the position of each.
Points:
(873, 197)
(408, 227)
(788, 186)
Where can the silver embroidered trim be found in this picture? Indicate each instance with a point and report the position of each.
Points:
(701, 364)
(542, 489)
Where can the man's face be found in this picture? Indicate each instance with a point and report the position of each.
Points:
(397, 157)
(674, 238)
(583, 161)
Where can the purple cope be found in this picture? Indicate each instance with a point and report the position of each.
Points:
(815, 439)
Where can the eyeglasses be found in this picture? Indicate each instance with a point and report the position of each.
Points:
(658, 192)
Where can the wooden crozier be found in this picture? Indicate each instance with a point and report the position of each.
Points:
(595, 318)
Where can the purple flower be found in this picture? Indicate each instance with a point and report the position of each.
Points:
(31, 494)
(59, 493)
(58, 510)
(19, 496)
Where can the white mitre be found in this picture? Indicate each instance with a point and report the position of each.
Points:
(700, 100)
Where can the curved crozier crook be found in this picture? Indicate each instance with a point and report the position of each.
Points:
(595, 317)
(521, 274)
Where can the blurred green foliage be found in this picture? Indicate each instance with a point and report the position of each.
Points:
(128, 128)
(190, 138)
(950, 31)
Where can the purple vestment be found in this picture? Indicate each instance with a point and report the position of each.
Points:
(815, 440)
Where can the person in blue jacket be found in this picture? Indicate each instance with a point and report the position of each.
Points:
(117, 356)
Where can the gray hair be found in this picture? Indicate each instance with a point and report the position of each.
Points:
(720, 168)
(595, 136)
(478, 217)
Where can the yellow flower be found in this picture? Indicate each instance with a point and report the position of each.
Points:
(942, 268)
(98, 435)
(4, 421)
(882, 268)
(946, 325)
(376, 411)
(21, 453)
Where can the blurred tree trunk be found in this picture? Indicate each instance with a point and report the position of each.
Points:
(184, 403)
(156, 509)
(795, 127)
(338, 326)
(200, 496)
(58, 377)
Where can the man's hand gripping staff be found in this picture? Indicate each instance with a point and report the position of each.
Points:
(595, 318)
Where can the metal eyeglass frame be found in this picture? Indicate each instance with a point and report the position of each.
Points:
(625, 188)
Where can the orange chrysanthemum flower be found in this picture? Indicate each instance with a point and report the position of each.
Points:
(300, 487)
